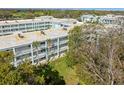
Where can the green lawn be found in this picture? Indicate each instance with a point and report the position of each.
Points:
(68, 73)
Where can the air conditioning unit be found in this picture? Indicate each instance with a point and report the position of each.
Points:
(42, 32)
(19, 34)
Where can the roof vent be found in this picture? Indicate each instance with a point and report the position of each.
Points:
(43, 33)
(20, 35)
(16, 21)
(64, 28)
(6, 22)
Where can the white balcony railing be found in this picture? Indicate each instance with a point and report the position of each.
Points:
(39, 55)
(22, 52)
(63, 48)
(63, 42)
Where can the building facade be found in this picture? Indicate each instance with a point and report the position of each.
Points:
(49, 46)
(104, 19)
(19, 37)
(38, 24)
(89, 18)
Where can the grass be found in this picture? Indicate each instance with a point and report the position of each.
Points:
(68, 73)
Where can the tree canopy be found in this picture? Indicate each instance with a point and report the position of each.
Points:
(98, 57)
(32, 13)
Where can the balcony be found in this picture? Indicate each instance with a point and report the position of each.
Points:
(52, 52)
(63, 42)
(41, 55)
(21, 60)
(63, 48)
(22, 52)
(39, 48)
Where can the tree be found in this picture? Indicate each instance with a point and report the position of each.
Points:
(97, 58)
(12, 78)
(5, 15)
(6, 56)
(50, 75)
(26, 71)
(4, 70)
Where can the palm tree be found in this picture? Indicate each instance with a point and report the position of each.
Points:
(36, 45)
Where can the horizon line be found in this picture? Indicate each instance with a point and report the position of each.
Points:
(97, 9)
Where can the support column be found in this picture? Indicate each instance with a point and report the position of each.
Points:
(58, 47)
(32, 26)
(1, 31)
(18, 27)
(25, 28)
(10, 28)
(32, 56)
(46, 48)
(14, 61)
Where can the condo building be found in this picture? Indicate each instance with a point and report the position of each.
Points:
(89, 18)
(51, 34)
(104, 19)
(109, 19)
(38, 24)
(23, 47)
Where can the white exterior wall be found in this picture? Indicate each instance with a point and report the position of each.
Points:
(24, 27)
(28, 51)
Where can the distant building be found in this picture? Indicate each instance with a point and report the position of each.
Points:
(105, 19)
(89, 18)
(38, 24)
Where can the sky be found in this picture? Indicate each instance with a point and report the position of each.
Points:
(106, 9)
(103, 9)
(112, 9)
